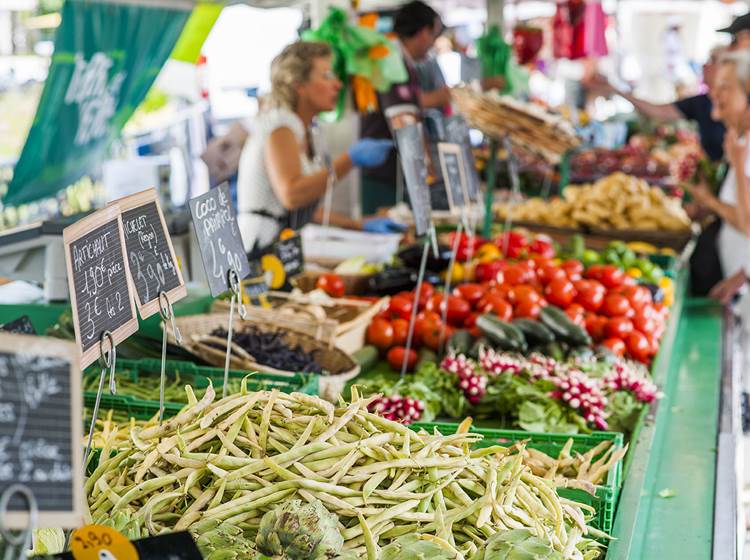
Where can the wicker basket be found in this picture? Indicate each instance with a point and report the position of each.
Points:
(345, 324)
(196, 331)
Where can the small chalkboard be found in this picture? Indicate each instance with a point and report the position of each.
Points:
(40, 428)
(170, 546)
(457, 132)
(410, 144)
(22, 325)
(454, 175)
(255, 284)
(98, 277)
(219, 238)
(289, 252)
(151, 259)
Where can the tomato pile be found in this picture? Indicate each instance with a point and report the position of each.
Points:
(614, 309)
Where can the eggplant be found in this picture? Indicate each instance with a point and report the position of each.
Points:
(394, 280)
(411, 257)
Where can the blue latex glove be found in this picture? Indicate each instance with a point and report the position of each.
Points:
(382, 225)
(370, 152)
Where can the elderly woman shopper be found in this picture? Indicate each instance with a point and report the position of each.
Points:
(278, 184)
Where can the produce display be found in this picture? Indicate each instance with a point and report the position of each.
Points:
(619, 202)
(293, 476)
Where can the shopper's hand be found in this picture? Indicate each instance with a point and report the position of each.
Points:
(382, 225)
(725, 290)
(370, 152)
(700, 193)
(599, 85)
(735, 148)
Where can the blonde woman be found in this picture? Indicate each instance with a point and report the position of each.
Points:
(278, 186)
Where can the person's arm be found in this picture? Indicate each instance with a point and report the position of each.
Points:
(737, 149)
(336, 219)
(293, 188)
(661, 112)
(437, 98)
(727, 212)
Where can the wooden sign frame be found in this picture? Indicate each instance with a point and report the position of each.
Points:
(447, 148)
(73, 233)
(131, 202)
(55, 348)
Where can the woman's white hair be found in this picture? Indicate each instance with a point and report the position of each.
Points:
(741, 61)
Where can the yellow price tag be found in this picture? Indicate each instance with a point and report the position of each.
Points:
(96, 542)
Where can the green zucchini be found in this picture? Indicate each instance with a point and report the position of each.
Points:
(534, 331)
(479, 343)
(563, 327)
(501, 334)
(460, 342)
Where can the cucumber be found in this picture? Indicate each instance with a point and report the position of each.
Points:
(460, 342)
(501, 334)
(367, 357)
(534, 331)
(562, 327)
(481, 342)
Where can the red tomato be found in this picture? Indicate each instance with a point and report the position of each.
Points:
(576, 313)
(470, 292)
(595, 326)
(549, 272)
(560, 292)
(527, 309)
(400, 331)
(523, 292)
(611, 276)
(513, 242)
(594, 272)
(332, 284)
(380, 334)
(502, 309)
(590, 294)
(542, 245)
(401, 306)
(616, 345)
(574, 269)
(516, 274)
(618, 327)
(471, 320)
(638, 346)
(644, 322)
(488, 272)
(432, 335)
(638, 296)
(458, 310)
(396, 358)
(615, 305)
(426, 291)
(435, 304)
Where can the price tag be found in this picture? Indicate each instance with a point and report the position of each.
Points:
(107, 544)
(289, 252)
(219, 238)
(457, 132)
(40, 429)
(454, 175)
(410, 142)
(22, 325)
(151, 259)
(96, 542)
(98, 277)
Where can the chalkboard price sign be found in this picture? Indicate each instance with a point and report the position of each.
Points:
(100, 290)
(40, 428)
(289, 252)
(22, 325)
(95, 539)
(457, 132)
(454, 176)
(151, 259)
(219, 238)
(410, 142)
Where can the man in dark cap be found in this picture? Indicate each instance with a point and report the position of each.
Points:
(416, 26)
(740, 31)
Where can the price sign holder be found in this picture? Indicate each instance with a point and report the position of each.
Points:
(222, 251)
(151, 258)
(154, 271)
(41, 472)
(454, 176)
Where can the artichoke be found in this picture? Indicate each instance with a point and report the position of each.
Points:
(299, 531)
(518, 544)
(222, 541)
(417, 547)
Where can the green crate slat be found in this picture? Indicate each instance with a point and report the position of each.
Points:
(197, 376)
(605, 500)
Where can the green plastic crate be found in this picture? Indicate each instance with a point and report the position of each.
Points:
(189, 374)
(605, 500)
